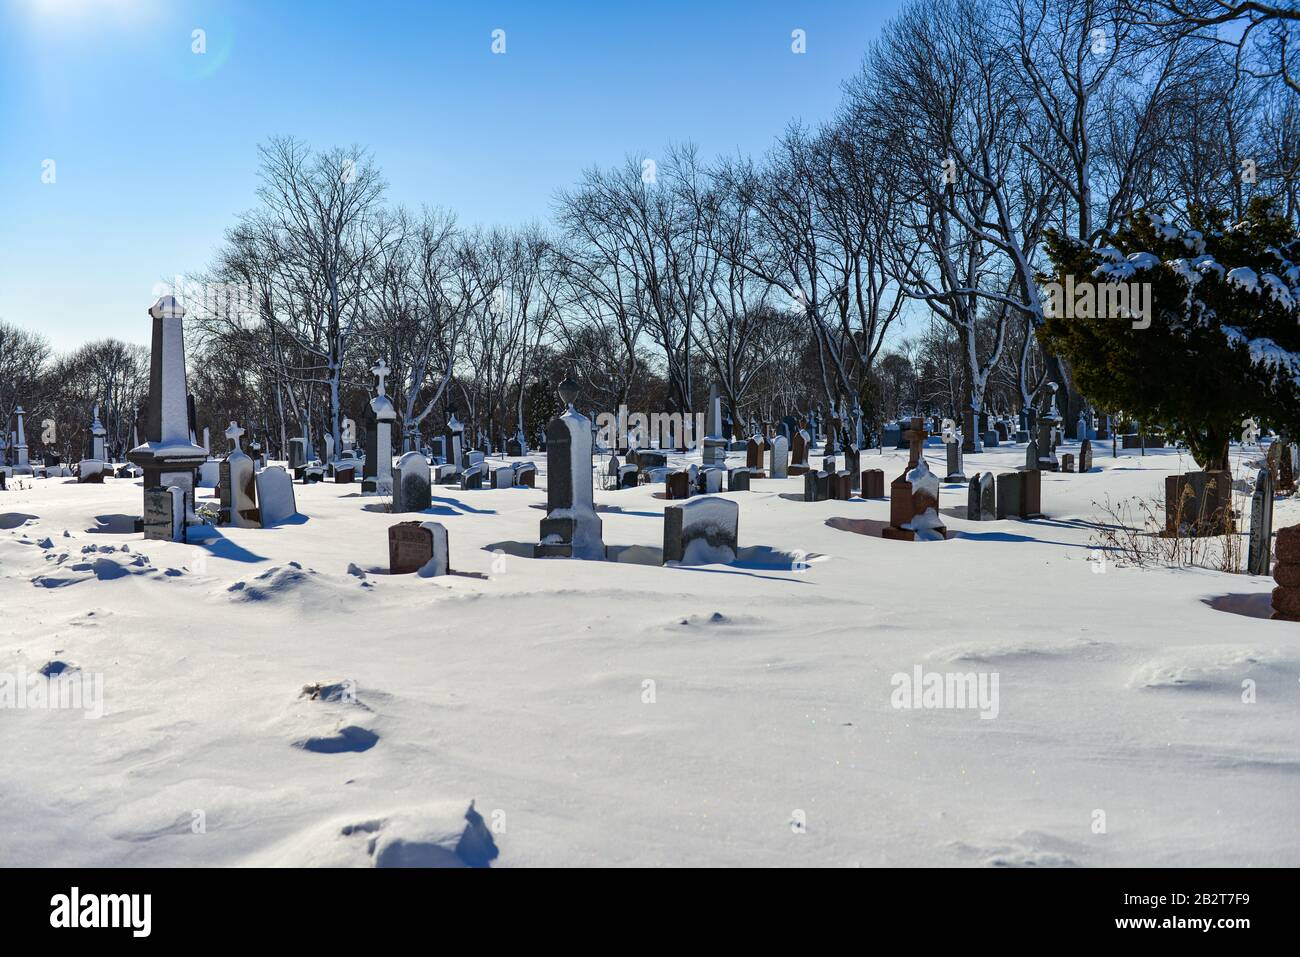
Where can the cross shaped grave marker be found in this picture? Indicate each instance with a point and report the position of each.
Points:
(916, 435)
(382, 370)
(234, 433)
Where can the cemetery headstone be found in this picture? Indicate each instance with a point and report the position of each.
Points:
(701, 532)
(275, 496)
(1260, 551)
(418, 547)
(1198, 503)
(384, 416)
(571, 529)
(238, 486)
(411, 492)
(955, 471)
(778, 458)
(1085, 456)
(873, 483)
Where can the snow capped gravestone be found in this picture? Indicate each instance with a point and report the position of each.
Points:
(799, 447)
(816, 486)
(778, 457)
(981, 499)
(238, 487)
(715, 440)
(418, 547)
(411, 491)
(275, 493)
(924, 524)
(701, 532)
(955, 472)
(914, 495)
(453, 437)
(1020, 494)
(165, 512)
(526, 474)
(1286, 596)
(1261, 525)
(168, 455)
(571, 528)
(385, 416)
(738, 479)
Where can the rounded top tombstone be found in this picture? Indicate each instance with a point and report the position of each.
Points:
(568, 391)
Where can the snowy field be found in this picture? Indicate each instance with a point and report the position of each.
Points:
(522, 684)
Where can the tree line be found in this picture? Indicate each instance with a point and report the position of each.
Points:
(888, 259)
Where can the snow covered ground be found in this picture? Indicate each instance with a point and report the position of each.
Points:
(623, 713)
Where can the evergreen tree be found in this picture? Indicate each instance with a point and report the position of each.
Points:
(1213, 341)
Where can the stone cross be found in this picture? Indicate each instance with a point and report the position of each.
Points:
(381, 370)
(234, 433)
(916, 436)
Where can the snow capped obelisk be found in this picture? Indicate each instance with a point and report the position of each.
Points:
(167, 455)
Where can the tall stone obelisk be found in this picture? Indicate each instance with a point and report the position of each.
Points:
(168, 456)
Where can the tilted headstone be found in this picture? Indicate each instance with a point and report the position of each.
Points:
(471, 479)
(1031, 455)
(411, 492)
(275, 496)
(503, 476)
(799, 448)
(701, 532)
(973, 498)
(571, 529)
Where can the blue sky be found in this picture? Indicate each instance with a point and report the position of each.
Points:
(154, 146)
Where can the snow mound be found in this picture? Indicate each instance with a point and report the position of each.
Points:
(274, 584)
(1007, 650)
(9, 520)
(1028, 849)
(1208, 666)
(445, 834)
(102, 569)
